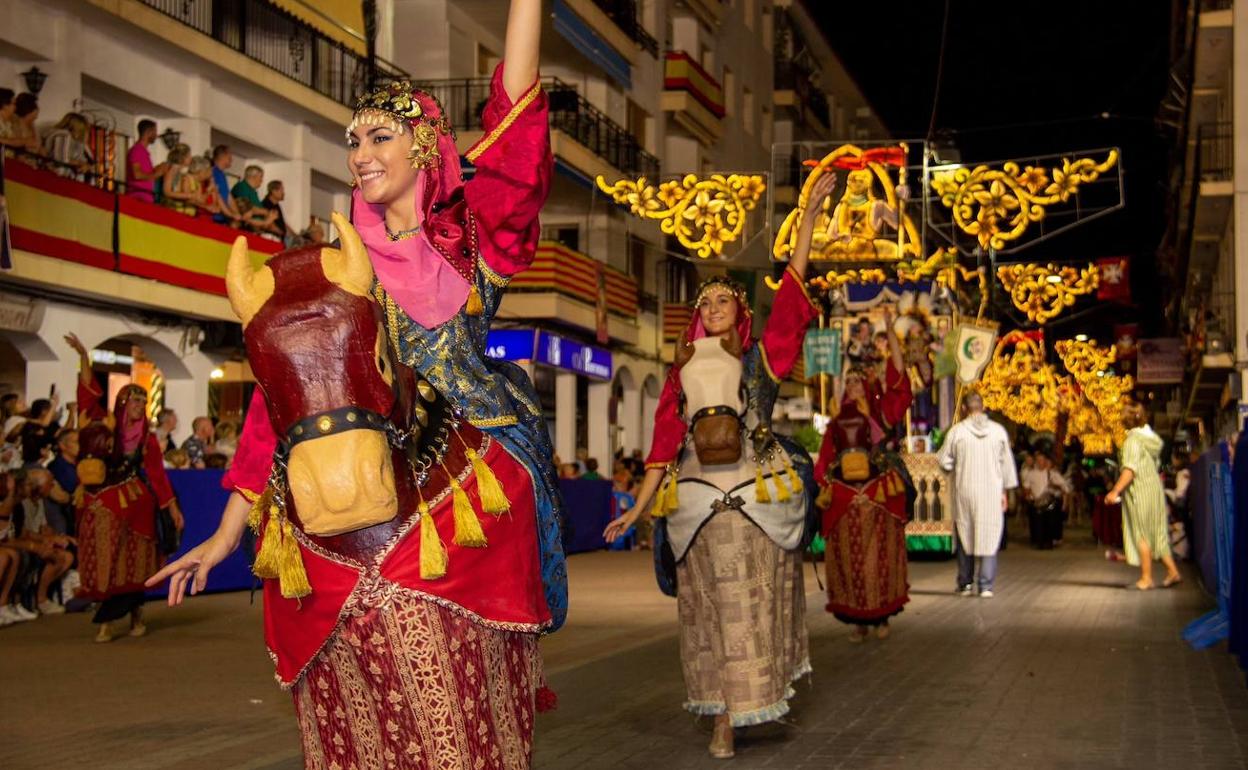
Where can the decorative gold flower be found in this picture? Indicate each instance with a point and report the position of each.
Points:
(1034, 179)
(1064, 184)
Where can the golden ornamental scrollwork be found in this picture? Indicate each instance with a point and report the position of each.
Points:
(1019, 384)
(703, 214)
(1097, 386)
(998, 205)
(1044, 291)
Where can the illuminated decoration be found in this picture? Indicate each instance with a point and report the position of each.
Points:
(850, 229)
(703, 214)
(1099, 386)
(1020, 385)
(1044, 291)
(997, 206)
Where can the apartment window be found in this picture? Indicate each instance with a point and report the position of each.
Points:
(639, 123)
(748, 116)
(568, 235)
(730, 92)
(637, 260)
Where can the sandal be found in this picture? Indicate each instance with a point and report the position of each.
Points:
(1170, 582)
(721, 741)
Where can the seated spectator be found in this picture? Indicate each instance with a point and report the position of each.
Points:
(178, 190)
(246, 195)
(177, 459)
(591, 470)
(12, 418)
(273, 202)
(200, 442)
(197, 181)
(315, 232)
(227, 440)
(10, 557)
(567, 471)
(17, 130)
(8, 132)
(66, 144)
(222, 159)
(64, 470)
(141, 175)
(166, 424)
(36, 536)
(38, 434)
(216, 461)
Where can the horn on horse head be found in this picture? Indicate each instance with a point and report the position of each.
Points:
(248, 289)
(349, 268)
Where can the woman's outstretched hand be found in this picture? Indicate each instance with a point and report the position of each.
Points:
(618, 526)
(192, 568)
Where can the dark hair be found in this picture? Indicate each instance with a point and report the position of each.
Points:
(276, 183)
(7, 402)
(219, 150)
(591, 465)
(39, 407)
(145, 124)
(26, 104)
(6, 96)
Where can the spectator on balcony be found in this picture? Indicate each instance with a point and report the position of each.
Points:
(246, 195)
(222, 159)
(18, 129)
(197, 182)
(315, 232)
(178, 188)
(67, 145)
(7, 107)
(141, 175)
(273, 202)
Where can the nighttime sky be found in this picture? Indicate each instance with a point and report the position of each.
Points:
(1025, 82)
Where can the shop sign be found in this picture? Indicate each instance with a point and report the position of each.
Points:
(1160, 361)
(551, 350)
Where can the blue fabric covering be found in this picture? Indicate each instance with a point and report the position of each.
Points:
(588, 510)
(202, 500)
(1239, 572)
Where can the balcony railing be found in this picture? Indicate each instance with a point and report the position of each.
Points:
(560, 269)
(1214, 142)
(624, 14)
(682, 73)
(810, 100)
(464, 101)
(280, 41)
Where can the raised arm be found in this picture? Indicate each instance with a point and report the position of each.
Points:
(521, 48)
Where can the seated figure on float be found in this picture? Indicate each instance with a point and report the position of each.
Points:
(855, 231)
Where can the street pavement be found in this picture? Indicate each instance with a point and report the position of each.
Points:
(1062, 669)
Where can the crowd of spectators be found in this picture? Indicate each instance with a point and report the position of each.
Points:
(38, 479)
(194, 185)
(626, 476)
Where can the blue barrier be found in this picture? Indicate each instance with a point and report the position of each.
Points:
(588, 507)
(202, 500)
(1218, 496)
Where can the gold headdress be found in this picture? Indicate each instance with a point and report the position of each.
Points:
(396, 105)
(721, 282)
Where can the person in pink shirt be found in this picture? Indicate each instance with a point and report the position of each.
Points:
(141, 175)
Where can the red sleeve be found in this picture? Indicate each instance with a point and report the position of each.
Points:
(791, 313)
(827, 454)
(669, 428)
(90, 403)
(514, 165)
(249, 471)
(154, 465)
(896, 398)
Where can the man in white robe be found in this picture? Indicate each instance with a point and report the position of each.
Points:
(977, 452)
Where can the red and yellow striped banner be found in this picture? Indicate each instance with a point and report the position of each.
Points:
(682, 73)
(70, 220)
(675, 321)
(557, 268)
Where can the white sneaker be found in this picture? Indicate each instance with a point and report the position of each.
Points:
(966, 591)
(985, 594)
(7, 618)
(21, 613)
(49, 607)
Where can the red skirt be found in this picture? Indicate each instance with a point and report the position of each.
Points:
(413, 684)
(117, 547)
(866, 550)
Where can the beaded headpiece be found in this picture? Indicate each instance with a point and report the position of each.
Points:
(396, 105)
(724, 283)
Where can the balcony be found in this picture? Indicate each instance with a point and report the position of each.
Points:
(624, 14)
(693, 97)
(797, 95)
(574, 289)
(581, 134)
(77, 238)
(281, 42)
(709, 12)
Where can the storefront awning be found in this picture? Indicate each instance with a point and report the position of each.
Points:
(340, 20)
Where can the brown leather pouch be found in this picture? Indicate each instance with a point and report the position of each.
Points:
(717, 435)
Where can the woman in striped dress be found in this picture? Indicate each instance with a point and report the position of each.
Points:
(1145, 533)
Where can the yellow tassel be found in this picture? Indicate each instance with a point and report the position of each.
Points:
(432, 552)
(256, 515)
(761, 495)
(121, 499)
(795, 481)
(467, 527)
(782, 490)
(660, 509)
(290, 571)
(79, 494)
(474, 306)
(493, 498)
(673, 499)
(266, 558)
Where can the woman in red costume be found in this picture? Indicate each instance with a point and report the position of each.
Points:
(123, 483)
(734, 506)
(406, 645)
(864, 496)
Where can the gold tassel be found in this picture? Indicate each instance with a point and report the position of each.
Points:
(673, 499)
(258, 506)
(659, 509)
(121, 499)
(266, 563)
(493, 498)
(290, 571)
(761, 495)
(795, 481)
(782, 490)
(474, 306)
(468, 533)
(79, 494)
(432, 552)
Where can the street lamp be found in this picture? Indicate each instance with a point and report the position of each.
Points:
(34, 78)
(170, 138)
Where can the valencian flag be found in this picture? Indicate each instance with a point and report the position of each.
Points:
(1115, 283)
